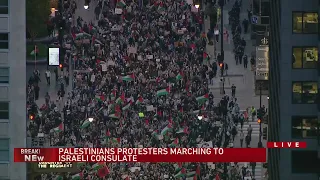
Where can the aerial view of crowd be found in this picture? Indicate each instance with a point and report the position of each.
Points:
(140, 79)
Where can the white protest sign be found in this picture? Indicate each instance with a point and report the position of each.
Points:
(118, 11)
(132, 50)
(93, 78)
(205, 145)
(180, 31)
(140, 58)
(150, 108)
(211, 165)
(158, 60)
(149, 56)
(194, 9)
(134, 169)
(104, 67)
(183, 16)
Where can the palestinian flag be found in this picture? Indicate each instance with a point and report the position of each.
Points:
(191, 174)
(59, 128)
(181, 174)
(115, 116)
(139, 100)
(183, 130)
(58, 177)
(121, 99)
(128, 77)
(35, 51)
(205, 56)
(85, 124)
(98, 166)
(115, 140)
(121, 3)
(77, 176)
(166, 129)
(155, 134)
(100, 98)
(179, 76)
(163, 92)
(126, 107)
(202, 98)
(177, 167)
(174, 143)
(80, 164)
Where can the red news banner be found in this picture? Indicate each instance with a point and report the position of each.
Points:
(140, 155)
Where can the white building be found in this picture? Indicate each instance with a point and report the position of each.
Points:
(12, 87)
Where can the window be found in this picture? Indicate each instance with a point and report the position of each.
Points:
(4, 110)
(4, 149)
(305, 162)
(4, 7)
(305, 127)
(4, 75)
(305, 57)
(304, 92)
(4, 40)
(306, 23)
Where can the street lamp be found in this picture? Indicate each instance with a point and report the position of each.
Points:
(90, 119)
(200, 117)
(268, 97)
(86, 6)
(197, 6)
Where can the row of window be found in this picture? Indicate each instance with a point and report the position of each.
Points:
(305, 57)
(305, 22)
(305, 92)
(305, 127)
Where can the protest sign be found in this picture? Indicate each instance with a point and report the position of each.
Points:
(140, 58)
(149, 56)
(104, 67)
(150, 108)
(205, 145)
(132, 50)
(118, 11)
(93, 78)
(180, 31)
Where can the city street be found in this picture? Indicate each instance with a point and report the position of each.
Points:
(242, 78)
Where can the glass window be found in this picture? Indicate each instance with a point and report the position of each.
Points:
(4, 40)
(305, 57)
(305, 127)
(4, 75)
(305, 22)
(304, 92)
(297, 57)
(4, 7)
(305, 161)
(309, 92)
(4, 110)
(310, 23)
(297, 22)
(4, 149)
(297, 93)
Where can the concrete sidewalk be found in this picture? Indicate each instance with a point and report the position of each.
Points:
(242, 78)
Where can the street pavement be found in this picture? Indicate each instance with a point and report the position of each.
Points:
(242, 78)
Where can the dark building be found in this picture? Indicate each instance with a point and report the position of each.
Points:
(294, 82)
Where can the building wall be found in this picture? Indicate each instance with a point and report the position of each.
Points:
(14, 92)
(287, 76)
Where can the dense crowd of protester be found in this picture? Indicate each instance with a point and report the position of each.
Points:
(140, 79)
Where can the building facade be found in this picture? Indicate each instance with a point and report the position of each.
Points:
(12, 87)
(294, 80)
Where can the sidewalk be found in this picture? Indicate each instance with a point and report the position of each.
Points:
(242, 78)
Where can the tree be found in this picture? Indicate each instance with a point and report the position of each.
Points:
(38, 12)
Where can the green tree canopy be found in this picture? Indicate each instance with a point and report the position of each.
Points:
(38, 12)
